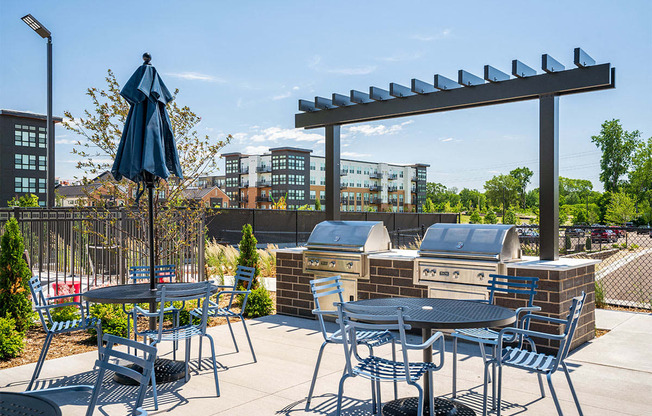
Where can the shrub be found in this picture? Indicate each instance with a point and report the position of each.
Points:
(14, 278)
(64, 313)
(599, 295)
(259, 303)
(475, 218)
(490, 218)
(633, 247)
(114, 320)
(567, 243)
(248, 253)
(588, 243)
(12, 341)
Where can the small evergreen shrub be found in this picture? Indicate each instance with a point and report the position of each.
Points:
(12, 341)
(14, 278)
(490, 218)
(588, 243)
(475, 217)
(114, 320)
(599, 295)
(259, 303)
(249, 254)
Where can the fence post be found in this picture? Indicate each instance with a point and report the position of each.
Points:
(121, 249)
(296, 228)
(202, 249)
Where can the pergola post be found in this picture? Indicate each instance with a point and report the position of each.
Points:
(333, 172)
(549, 177)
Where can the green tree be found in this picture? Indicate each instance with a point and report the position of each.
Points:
(617, 146)
(510, 217)
(522, 176)
(428, 206)
(574, 191)
(24, 201)
(640, 177)
(470, 198)
(564, 212)
(317, 204)
(580, 216)
(14, 278)
(490, 217)
(532, 199)
(502, 190)
(621, 209)
(249, 253)
(475, 217)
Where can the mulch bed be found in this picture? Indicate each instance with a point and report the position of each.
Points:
(73, 343)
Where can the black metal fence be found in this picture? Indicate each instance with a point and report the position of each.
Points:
(84, 248)
(287, 228)
(624, 274)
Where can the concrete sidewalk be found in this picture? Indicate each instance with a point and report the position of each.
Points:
(612, 375)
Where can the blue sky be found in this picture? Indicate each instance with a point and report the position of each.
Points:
(243, 65)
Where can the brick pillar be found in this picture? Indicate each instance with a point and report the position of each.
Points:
(556, 289)
(293, 295)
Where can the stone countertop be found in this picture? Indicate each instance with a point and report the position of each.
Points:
(295, 250)
(530, 262)
(395, 254)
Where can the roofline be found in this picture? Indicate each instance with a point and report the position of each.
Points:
(33, 116)
(295, 149)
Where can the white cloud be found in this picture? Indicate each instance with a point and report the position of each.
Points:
(449, 140)
(275, 135)
(196, 76)
(379, 129)
(428, 38)
(355, 154)
(315, 64)
(256, 150)
(65, 141)
(295, 88)
(282, 96)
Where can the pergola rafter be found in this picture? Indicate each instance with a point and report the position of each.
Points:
(444, 94)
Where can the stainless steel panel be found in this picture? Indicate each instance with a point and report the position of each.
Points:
(360, 236)
(471, 241)
(457, 291)
(349, 292)
(456, 272)
(334, 263)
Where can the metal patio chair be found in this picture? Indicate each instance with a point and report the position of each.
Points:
(142, 377)
(168, 293)
(244, 275)
(43, 305)
(485, 337)
(354, 319)
(138, 274)
(331, 286)
(531, 361)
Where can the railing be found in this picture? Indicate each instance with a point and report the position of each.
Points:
(392, 176)
(263, 169)
(373, 188)
(376, 175)
(375, 201)
(623, 277)
(392, 188)
(243, 171)
(96, 247)
(263, 199)
(263, 184)
(244, 184)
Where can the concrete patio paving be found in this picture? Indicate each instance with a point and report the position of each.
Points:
(612, 374)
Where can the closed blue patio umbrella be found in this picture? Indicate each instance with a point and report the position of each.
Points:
(147, 149)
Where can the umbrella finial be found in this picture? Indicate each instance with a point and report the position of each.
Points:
(147, 57)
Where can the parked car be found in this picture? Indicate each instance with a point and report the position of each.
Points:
(618, 231)
(575, 232)
(603, 235)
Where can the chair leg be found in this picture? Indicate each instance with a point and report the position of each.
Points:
(553, 394)
(431, 394)
(340, 393)
(200, 347)
(420, 399)
(217, 383)
(187, 358)
(314, 375)
(96, 392)
(493, 378)
(253, 354)
(485, 389)
(543, 391)
(394, 359)
(572, 388)
(499, 386)
(41, 359)
(232, 335)
(483, 352)
(379, 401)
(455, 367)
(154, 391)
(128, 330)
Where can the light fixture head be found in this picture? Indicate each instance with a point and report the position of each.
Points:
(36, 26)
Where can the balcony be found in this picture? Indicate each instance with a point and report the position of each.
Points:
(392, 177)
(263, 199)
(414, 179)
(244, 185)
(344, 173)
(375, 201)
(376, 175)
(373, 188)
(263, 184)
(392, 188)
(263, 169)
(243, 170)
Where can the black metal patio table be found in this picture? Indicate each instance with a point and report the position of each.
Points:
(428, 314)
(166, 370)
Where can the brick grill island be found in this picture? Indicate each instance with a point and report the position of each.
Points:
(391, 275)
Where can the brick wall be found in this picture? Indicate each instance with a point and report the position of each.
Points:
(393, 278)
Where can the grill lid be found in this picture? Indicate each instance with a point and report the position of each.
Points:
(495, 242)
(361, 236)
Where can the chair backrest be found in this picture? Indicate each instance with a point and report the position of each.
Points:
(571, 325)
(110, 355)
(513, 285)
(354, 318)
(39, 300)
(164, 271)
(181, 293)
(326, 286)
(243, 278)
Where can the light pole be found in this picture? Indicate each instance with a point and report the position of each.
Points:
(45, 34)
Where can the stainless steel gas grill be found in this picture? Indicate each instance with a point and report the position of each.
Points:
(342, 248)
(455, 260)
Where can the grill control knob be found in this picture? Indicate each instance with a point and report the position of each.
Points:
(481, 276)
(332, 264)
(456, 274)
(426, 272)
(349, 265)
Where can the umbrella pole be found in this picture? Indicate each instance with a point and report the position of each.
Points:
(152, 274)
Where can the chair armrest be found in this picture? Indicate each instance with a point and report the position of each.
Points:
(526, 333)
(58, 305)
(232, 292)
(437, 336)
(49, 298)
(137, 310)
(532, 316)
(527, 309)
(322, 312)
(224, 286)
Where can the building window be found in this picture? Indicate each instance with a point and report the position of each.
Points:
(322, 167)
(313, 194)
(359, 171)
(28, 136)
(312, 180)
(29, 162)
(232, 166)
(312, 165)
(279, 162)
(322, 195)
(29, 185)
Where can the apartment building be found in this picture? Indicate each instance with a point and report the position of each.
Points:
(255, 181)
(23, 155)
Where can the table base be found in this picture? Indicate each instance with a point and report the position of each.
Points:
(165, 370)
(443, 407)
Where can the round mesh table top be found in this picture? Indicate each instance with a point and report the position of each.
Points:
(133, 293)
(19, 404)
(446, 313)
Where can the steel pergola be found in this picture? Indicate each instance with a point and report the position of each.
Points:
(468, 91)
